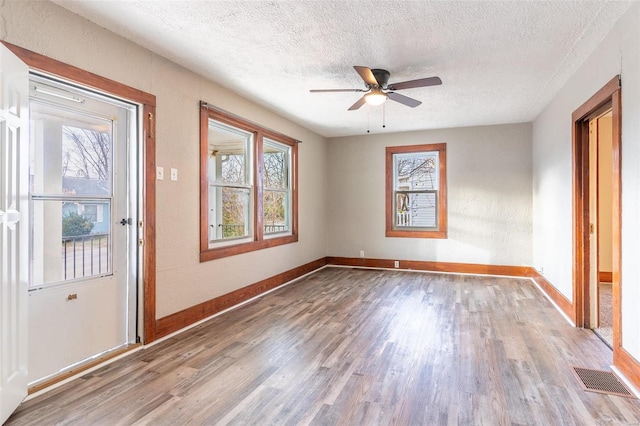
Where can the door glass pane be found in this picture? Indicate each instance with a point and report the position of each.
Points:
(71, 153)
(86, 154)
(72, 242)
(71, 180)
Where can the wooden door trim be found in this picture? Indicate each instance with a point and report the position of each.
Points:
(610, 94)
(39, 62)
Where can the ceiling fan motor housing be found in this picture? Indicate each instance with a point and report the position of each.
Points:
(382, 77)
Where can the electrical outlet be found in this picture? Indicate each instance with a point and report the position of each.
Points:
(174, 174)
(396, 264)
(159, 173)
(361, 253)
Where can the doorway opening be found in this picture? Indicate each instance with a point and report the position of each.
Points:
(600, 212)
(597, 213)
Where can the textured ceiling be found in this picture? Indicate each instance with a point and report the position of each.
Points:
(500, 61)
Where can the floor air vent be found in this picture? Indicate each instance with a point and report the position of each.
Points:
(601, 381)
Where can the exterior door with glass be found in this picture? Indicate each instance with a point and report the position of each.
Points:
(82, 294)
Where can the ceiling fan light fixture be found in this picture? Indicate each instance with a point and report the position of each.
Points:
(376, 82)
(375, 97)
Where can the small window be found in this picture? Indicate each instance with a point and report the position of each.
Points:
(90, 212)
(248, 186)
(416, 191)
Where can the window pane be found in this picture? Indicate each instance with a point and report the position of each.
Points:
(90, 212)
(67, 244)
(229, 154)
(276, 165)
(416, 171)
(276, 211)
(233, 168)
(229, 213)
(417, 209)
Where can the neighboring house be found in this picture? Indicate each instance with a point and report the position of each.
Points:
(97, 212)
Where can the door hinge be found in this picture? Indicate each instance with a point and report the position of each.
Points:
(591, 228)
(140, 243)
(150, 125)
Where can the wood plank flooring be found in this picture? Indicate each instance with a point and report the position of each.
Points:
(361, 347)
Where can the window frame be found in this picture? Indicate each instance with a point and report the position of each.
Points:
(286, 189)
(246, 185)
(390, 194)
(258, 240)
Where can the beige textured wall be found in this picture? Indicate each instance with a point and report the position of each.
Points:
(618, 53)
(488, 188)
(182, 281)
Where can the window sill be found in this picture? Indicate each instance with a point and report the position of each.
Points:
(232, 250)
(416, 234)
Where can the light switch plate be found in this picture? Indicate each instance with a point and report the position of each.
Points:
(159, 173)
(174, 174)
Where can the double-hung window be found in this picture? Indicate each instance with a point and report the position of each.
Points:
(230, 183)
(416, 191)
(276, 205)
(248, 186)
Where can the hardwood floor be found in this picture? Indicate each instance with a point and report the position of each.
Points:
(351, 346)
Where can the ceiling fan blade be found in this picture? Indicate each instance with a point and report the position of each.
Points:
(358, 104)
(405, 100)
(335, 90)
(366, 75)
(421, 82)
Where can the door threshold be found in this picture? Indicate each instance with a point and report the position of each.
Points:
(78, 369)
(601, 336)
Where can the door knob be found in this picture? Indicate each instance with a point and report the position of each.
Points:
(124, 222)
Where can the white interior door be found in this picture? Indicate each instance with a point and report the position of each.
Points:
(80, 305)
(14, 279)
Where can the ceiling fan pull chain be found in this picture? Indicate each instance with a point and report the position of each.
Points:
(368, 117)
(384, 116)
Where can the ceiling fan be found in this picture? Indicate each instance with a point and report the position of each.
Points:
(378, 89)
